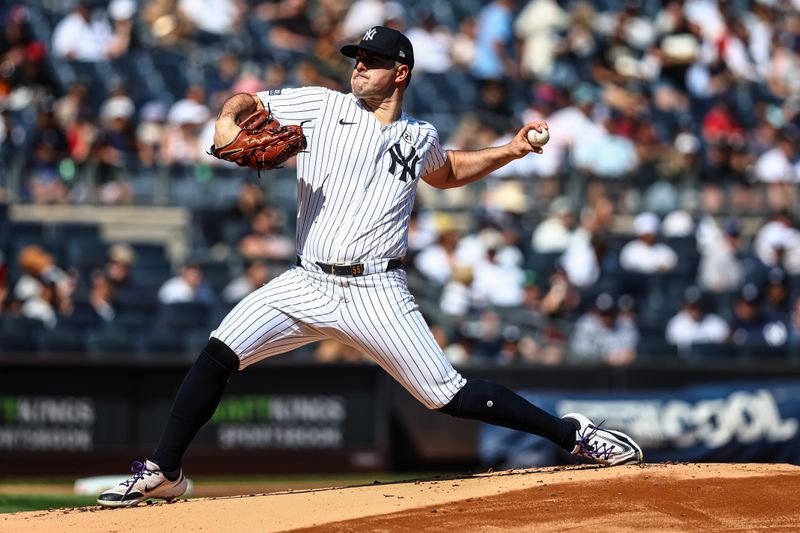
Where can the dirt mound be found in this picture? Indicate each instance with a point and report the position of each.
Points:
(685, 497)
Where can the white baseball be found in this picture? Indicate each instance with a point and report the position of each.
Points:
(538, 138)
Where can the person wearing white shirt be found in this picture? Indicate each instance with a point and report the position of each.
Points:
(692, 325)
(555, 232)
(188, 286)
(720, 269)
(433, 43)
(497, 282)
(81, 37)
(436, 262)
(642, 254)
(776, 165)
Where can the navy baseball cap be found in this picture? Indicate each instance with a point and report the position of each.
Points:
(386, 42)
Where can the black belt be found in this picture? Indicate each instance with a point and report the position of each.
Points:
(353, 270)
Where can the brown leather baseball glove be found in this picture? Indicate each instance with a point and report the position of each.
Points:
(262, 143)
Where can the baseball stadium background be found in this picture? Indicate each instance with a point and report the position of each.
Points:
(645, 269)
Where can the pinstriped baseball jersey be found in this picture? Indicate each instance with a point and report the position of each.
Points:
(358, 179)
(356, 187)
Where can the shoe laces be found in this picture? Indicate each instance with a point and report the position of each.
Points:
(593, 450)
(139, 470)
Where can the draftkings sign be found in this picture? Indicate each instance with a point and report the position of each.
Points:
(46, 423)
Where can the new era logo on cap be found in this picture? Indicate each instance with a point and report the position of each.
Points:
(384, 41)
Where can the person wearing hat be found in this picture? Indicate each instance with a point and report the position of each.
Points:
(357, 181)
(553, 234)
(643, 254)
(602, 335)
(694, 325)
(720, 269)
(752, 325)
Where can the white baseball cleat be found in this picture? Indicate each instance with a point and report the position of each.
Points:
(603, 446)
(148, 481)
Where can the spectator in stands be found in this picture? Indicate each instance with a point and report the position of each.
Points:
(23, 56)
(48, 148)
(121, 13)
(779, 169)
(120, 260)
(560, 298)
(432, 43)
(43, 290)
(494, 39)
(642, 254)
(571, 122)
(101, 296)
(187, 286)
(694, 325)
(464, 48)
(69, 107)
(436, 262)
(678, 45)
(421, 232)
(83, 35)
(256, 274)
(603, 154)
(584, 257)
(182, 146)
(456, 299)
(117, 149)
(794, 325)
(777, 295)
(265, 240)
(219, 84)
(150, 133)
(539, 24)
(751, 324)
(720, 268)
(364, 14)
(168, 25)
(555, 232)
(600, 336)
(212, 19)
(777, 243)
(496, 282)
(292, 28)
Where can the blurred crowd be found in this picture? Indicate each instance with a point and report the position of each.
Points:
(660, 219)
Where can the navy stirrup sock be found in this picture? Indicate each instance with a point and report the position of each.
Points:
(195, 403)
(495, 404)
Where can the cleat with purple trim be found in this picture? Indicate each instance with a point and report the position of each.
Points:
(603, 446)
(148, 481)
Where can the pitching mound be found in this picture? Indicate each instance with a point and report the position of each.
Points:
(686, 497)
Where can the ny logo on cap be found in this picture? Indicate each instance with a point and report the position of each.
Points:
(369, 35)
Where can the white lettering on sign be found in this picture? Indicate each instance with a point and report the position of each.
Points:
(742, 416)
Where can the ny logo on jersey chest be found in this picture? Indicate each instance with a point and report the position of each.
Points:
(406, 163)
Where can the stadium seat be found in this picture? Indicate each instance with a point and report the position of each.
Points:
(86, 255)
(160, 342)
(70, 232)
(83, 316)
(61, 340)
(183, 316)
(713, 351)
(655, 348)
(13, 344)
(110, 343)
(21, 326)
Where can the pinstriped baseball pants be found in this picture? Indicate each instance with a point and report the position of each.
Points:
(374, 314)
